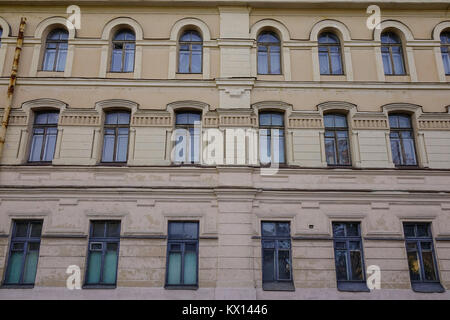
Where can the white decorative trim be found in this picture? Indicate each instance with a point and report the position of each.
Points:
(175, 33)
(6, 32)
(437, 50)
(40, 38)
(285, 37)
(107, 34)
(344, 32)
(348, 107)
(116, 103)
(388, 24)
(43, 103)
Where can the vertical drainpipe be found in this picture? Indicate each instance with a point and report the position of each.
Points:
(12, 83)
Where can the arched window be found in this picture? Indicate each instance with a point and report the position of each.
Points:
(271, 137)
(445, 50)
(337, 146)
(330, 57)
(1, 33)
(269, 58)
(187, 136)
(115, 139)
(392, 53)
(55, 50)
(43, 141)
(123, 47)
(190, 52)
(402, 140)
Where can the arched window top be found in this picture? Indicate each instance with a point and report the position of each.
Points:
(124, 35)
(191, 36)
(268, 37)
(58, 35)
(187, 117)
(117, 117)
(328, 38)
(271, 118)
(400, 121)
(445, 37)
(333, 120)
(390, 38)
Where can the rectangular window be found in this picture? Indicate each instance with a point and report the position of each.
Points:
(103, 254)
(402, 140)
(421, 259)
(115, 139)
(348, 254)
(271, 138)
(276, 256)
(24, 253)
(187, 137)
(182, 256)
(43, 141)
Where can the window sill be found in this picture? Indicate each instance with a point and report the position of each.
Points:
(350, 286)
(113, 164)
(423, 287)
(99, 286)
(278, 286)
(180, 287)
(39, 163)
(17, 286)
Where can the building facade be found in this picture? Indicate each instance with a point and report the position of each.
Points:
(226, 150)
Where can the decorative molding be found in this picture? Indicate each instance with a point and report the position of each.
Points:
(434, 124)
(153, 118)
(114, 24)
(211, 120)
(344, 32)
(369, 123)
(18, 119)
(336, 105)
(391, 24)
(116, 103)
(305, 123)
(87, 118)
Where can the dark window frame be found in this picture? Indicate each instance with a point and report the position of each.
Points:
(116, 128)
(190, 50)
(58, 50)
(277, 284)
(400, 139)
(389, 47)
(280, 128)
(26, 241)
(268, 46)
(327, 46)
(422, 285)
(188, 127)
(105, 241)
(335, 130)
(114, 43)
(445, 49)
(350, 285)
(44, 127)
(182, 242)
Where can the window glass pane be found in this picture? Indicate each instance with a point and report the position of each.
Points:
(183, 64)
(194, 145)
(196, 62)
(180, 145)
(397, 57)
(413, 262)
(352, 229)
(324, 63)
(110, 264)
(265, 119)
(21, 229)
(394, 121)
(182, 118)
(356, 265)
(264, 146)
(409, 230)
(328, 120)
(446, 61)
(98, 230)
(190, 230)
(284, 244)
(428, 265)
(18, 246)
(404, 121)
(278, 145)
(36, 147)
(111, 118)
(340, 121)
(339, 229)
(123, 118)
(422, 230)
(41, 118)
(36, 229)
(275, 61)
(94, 268)
(190, 267)
(336, 63)
(268, 244)
(340, 245)
(282, 229)
(268, 229)
(52, 118)
(122, 145)
(330, 151)
(277, 119)
(49, 59)
(284, 269)
(425, 245)
(50, 144)
(341, 265)
(387, 63)
(129, 58)
(116, 60)
(396, 153)
(183, 230)
(31, 260)
(108, 148)
(14, 267)
(174, 268)
(113, 229)
(268, 37)
(61, 59)
(263, 66)
(268, 265)
(410, 154)
(344, 151)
